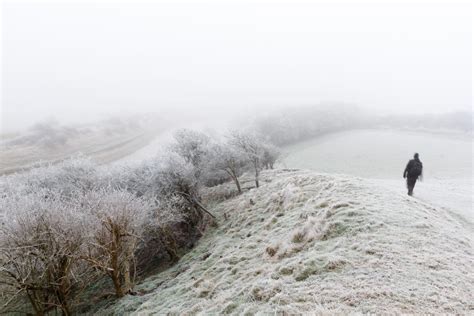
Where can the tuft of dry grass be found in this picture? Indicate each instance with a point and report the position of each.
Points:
(271, 251)
(298, 237)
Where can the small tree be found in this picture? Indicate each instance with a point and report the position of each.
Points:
(252, 147)
(226, 157)
(117, 219)
(271, 154)
(40, 248)
(192, 146)
(171, 185)
(160, 236)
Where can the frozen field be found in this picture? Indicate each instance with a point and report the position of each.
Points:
(102, 146)
(381, 155)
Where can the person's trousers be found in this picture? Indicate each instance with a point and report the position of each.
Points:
(411, 185)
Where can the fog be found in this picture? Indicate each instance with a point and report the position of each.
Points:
(83, 61)
(236, 157)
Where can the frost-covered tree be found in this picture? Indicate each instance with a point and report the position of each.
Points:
(117, 220)
(161, 236)
(192, 146)
(41, 239)
(176, 175)
(65, 220)
(252, 147)
(171, 186)
(160, 177)
(229, 159)
(271, 153)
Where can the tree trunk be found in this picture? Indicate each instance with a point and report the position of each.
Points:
(169, 244)
(34, 303)
(63, 286)
(64, 304)
(236, 181)
(257, 171)
(127, 282)
(116, 280)
(114, 261)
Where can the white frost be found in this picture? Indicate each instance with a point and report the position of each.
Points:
(312, 242)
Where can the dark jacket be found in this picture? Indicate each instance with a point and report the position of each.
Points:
(410, 169)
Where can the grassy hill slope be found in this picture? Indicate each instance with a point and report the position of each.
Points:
(309, 242)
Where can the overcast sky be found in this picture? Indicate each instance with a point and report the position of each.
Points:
(79, 61)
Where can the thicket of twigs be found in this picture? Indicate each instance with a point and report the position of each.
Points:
(66, 226)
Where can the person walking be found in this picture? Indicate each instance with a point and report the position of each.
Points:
(413, 171)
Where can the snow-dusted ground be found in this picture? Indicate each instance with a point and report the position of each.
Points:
(318, 242)
(103, 143)
(309, 242)
(148, 151)
(381, 155)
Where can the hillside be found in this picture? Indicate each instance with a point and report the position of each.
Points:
(103, 141)
(316, 242)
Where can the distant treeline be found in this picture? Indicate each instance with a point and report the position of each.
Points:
(456, 121)
(292, 124)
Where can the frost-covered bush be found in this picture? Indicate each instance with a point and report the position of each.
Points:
(192, 146)
(41, 240)
(165, 176)
(271, 153)
(164, 234)
(68, 177)
(176, 220)
(116, 225)
(74, 217)
(212, 177)
(174, 175)
(68, 224)
(216, 161)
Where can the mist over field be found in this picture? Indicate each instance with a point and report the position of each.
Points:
(82, 61)
(236, 157)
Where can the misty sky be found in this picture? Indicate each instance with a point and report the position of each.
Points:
(81, 61)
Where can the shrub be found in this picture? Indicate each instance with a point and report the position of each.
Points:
(40, 245)
(116, 221)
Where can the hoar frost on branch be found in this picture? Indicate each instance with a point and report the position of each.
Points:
(52, 240)
(252, 146)
(67, 225)
(116, 225)
(228, 158)
(192, 146)
(270, 156)
(41, 242)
